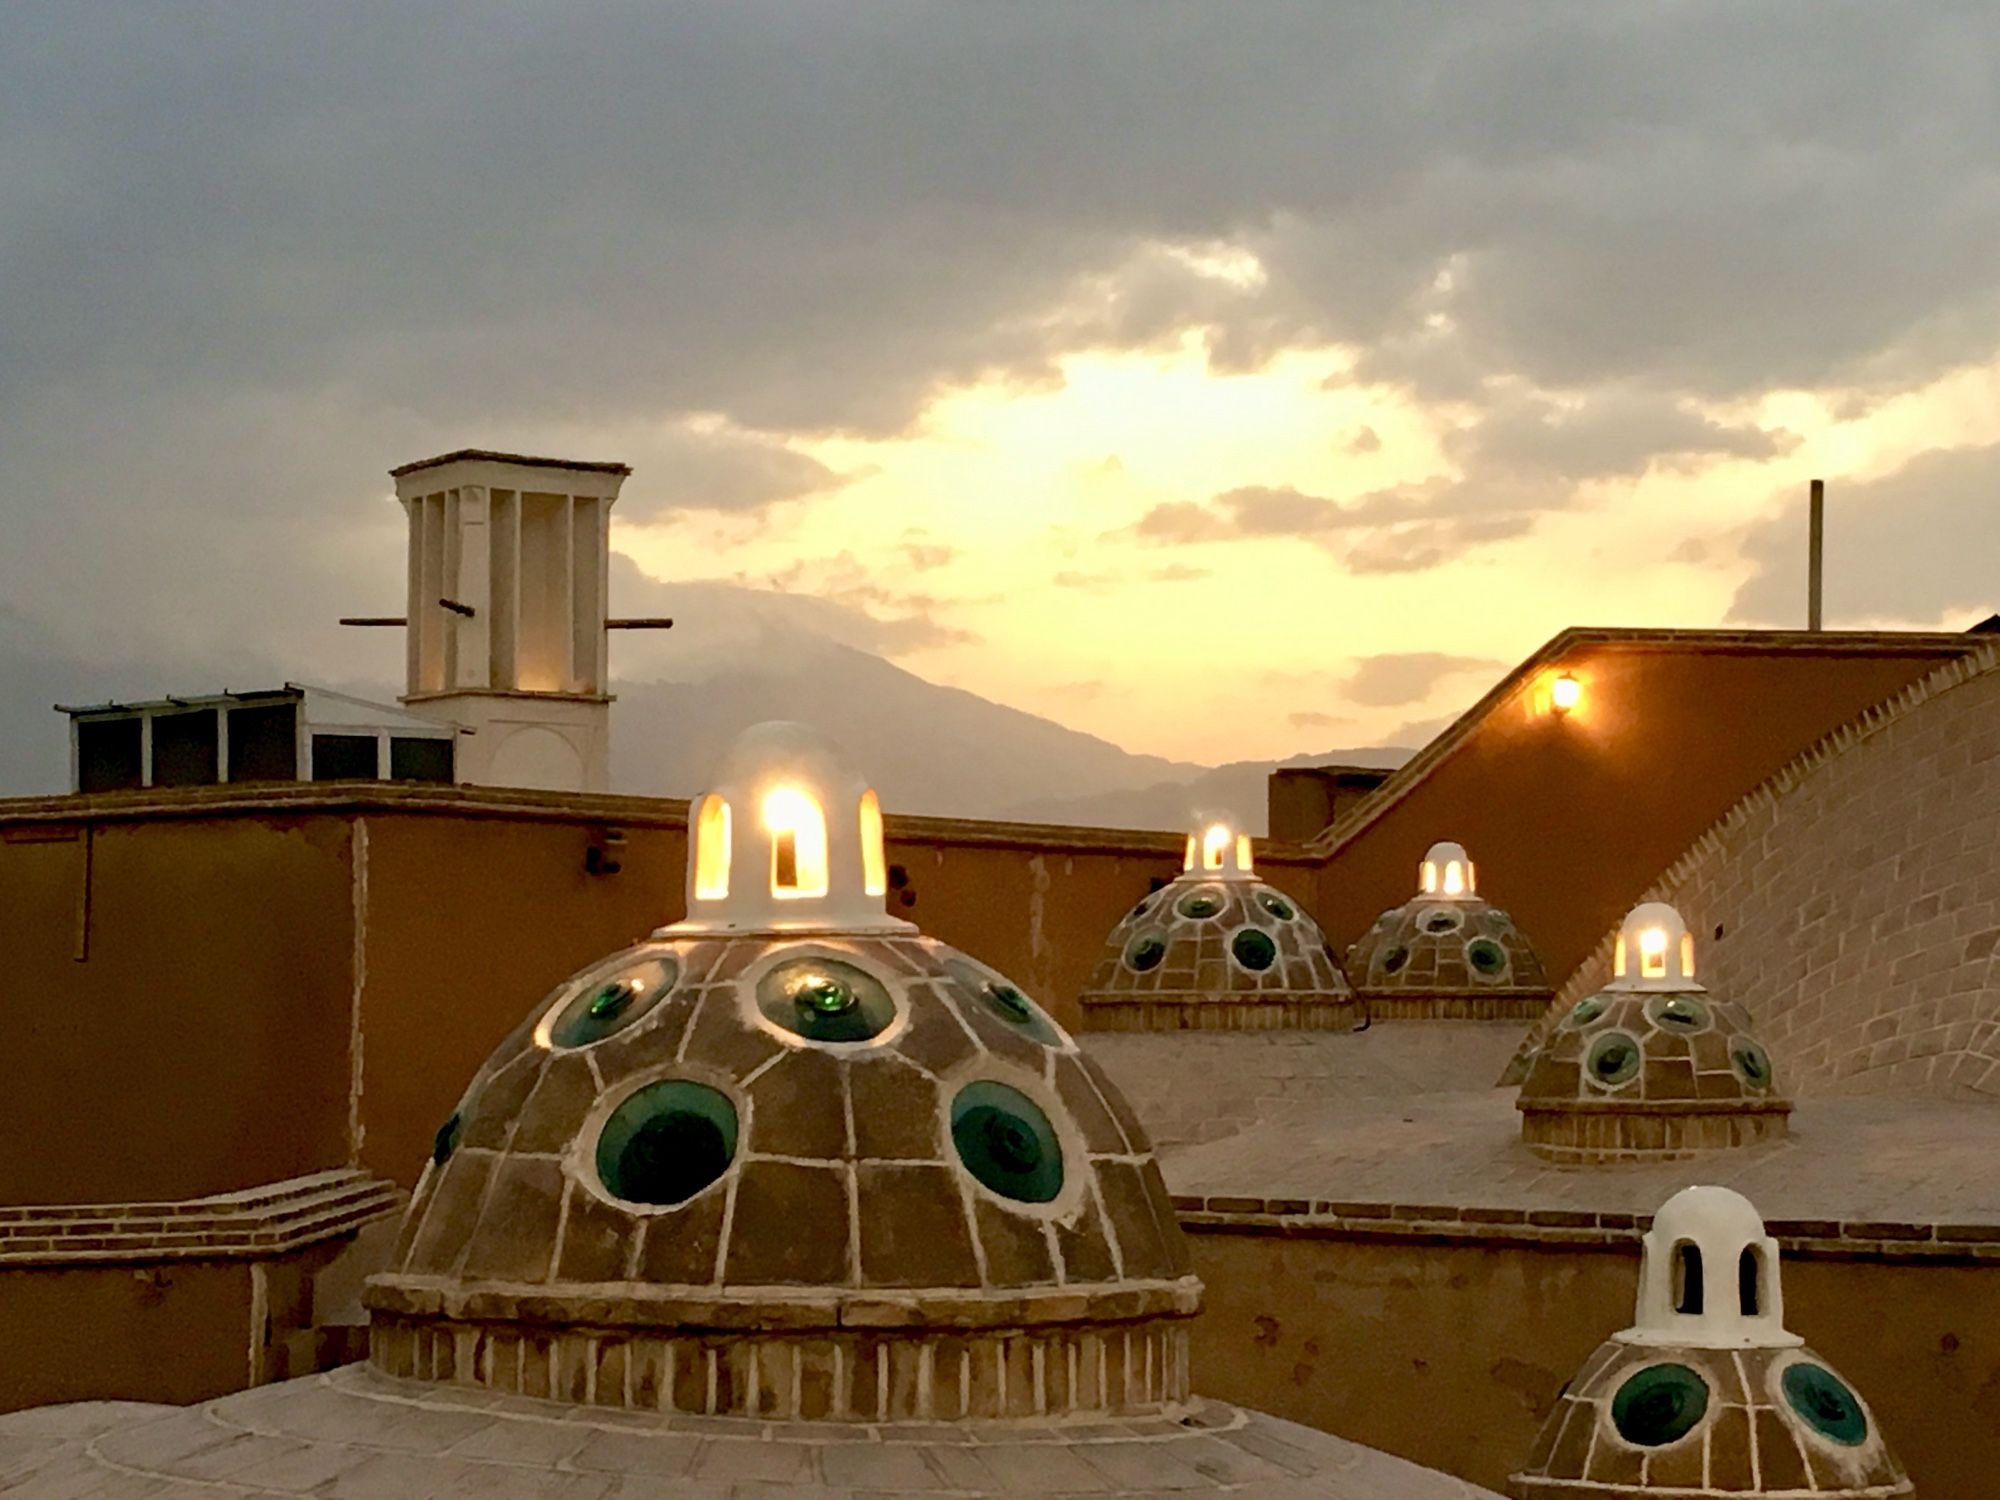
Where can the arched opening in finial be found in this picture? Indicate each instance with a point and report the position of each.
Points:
(1750, 1281)
(797, 827)
(1687, 1279)
(711, 849)
(874, 860)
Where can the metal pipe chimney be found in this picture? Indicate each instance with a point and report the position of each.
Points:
(1816, 556)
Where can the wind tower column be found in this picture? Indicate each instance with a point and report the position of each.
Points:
(509, 571)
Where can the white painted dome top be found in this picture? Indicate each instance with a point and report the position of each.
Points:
(1655, 951)
(1447, 873)
(787, 838)
(1708, 1276)
(1217, 848)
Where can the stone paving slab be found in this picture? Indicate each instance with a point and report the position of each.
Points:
(312, 1437)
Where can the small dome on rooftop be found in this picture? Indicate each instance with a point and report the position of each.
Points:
(1707, 1392)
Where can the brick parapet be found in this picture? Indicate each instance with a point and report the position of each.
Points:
(254, 1224)
(1473, 1225)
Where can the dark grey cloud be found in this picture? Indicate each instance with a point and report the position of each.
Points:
(1919, 546)
(1406, 530)
(1617, 433)
(702, 467)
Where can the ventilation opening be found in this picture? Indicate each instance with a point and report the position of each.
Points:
(1749, 1282)
(1687, 1279)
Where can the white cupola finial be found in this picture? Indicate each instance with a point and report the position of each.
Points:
(787, 838)
(1655, 951)
(1708, 1276)
(1447, 873)
(1217, 848)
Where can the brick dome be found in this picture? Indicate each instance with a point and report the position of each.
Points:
(1707, 1393)
(836, 1169)
(1651, 1066)
(1447, 953)
(1217, 948)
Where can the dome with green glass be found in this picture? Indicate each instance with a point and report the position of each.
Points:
(1447, 954)
(1217, 948)
(1651, 1066)
(791, 1156)
(1707, 1393)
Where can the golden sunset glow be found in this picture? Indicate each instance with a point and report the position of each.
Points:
(1017, 515)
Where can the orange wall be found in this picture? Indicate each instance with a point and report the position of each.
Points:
(1569, 818)
(201, 1044)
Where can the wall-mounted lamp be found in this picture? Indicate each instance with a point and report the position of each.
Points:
(1565, 693)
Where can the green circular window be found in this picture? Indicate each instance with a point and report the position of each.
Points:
(1584, 1012)
(1613, 1059)
(1005, 1001)
(1487, 957)
(1441, 919)
(610, 1002)
(1140, 910)
(1199, 904)
(1253, 949)
(1659, 1405)
(446, 1140)
(667, 1142)
(1825, 1404)
(1006, 1142)
(1145, 951)
(1682, 1013)
(1394, 959)
(825, 1000)
(1752, 1063)
(1276, 905)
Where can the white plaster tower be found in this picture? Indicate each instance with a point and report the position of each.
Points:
(509, 571)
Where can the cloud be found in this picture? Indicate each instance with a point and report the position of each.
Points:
(1397, 678)
(1915, 547)
(1618, 433)
(1313, 719)
(705, 464)
(1385, 531)
(902, 620)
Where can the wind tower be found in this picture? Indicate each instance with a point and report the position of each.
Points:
(508, 581)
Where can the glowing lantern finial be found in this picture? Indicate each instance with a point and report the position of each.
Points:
(1655, 951)
(786, 839)
(1447, 871)
(1216, 847)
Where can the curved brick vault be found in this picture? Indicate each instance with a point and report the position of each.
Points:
(1852, 903)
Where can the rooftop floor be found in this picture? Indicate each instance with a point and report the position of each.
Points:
(1407, 1115)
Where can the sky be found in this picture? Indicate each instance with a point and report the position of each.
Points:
(1228, 380)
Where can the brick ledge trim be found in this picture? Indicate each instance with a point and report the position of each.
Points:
(1442, 1224)
(634, 1305)
(252, 1224)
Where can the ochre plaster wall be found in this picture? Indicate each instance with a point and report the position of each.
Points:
(173, 1333)
(176, 1025)
(1856, 909)
(1570, 817)
(1452, 1354)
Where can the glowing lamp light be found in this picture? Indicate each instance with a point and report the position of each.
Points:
(711, 850)
(1653, 953)
(1565, 693)
(1214, 845)
(798, 844)
(874, 862)
(1243, 852)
